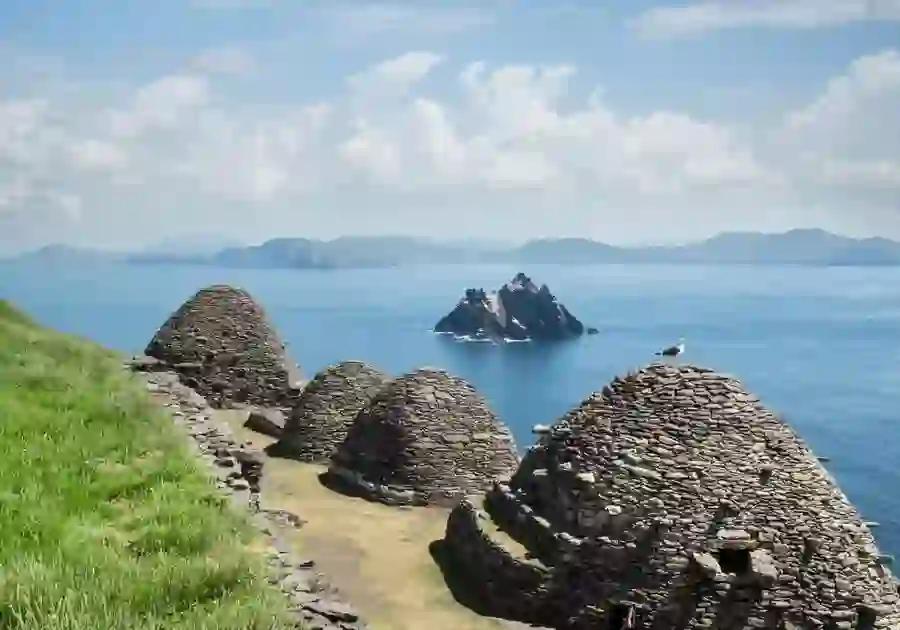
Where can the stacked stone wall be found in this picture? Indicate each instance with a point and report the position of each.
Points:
(321, 417)
(222, 345)
(516, 588)
(428, 438)
(519, 520)
(689, 504)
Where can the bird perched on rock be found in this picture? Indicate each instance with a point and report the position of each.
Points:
(672, 351)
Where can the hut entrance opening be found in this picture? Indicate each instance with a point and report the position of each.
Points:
(621, 617)
(735, 561)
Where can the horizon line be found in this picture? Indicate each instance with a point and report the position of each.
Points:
(460, 240)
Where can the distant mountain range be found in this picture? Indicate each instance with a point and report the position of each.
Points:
(796, 247)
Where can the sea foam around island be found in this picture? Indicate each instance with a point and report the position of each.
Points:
(479, 339)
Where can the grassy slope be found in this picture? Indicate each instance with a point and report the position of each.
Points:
(105, 520)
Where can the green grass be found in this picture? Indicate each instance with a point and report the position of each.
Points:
(106, 521)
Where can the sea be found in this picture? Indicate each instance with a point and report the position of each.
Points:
(821, 345)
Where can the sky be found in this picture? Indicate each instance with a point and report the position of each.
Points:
(124, 123)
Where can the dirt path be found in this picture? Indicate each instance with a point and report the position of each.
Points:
(378, 556)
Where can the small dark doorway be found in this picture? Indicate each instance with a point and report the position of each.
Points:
(621, 617)
(865, 618)
(735, 561)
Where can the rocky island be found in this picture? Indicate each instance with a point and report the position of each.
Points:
(518, 311)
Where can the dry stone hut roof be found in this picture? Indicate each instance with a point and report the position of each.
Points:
(322, 415)
(700, 507)
(426, 437)
(222, 343)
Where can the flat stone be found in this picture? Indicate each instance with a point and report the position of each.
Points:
(732, 534)
(642, 472)
(266, 421)
(335, 611)
(706, 563)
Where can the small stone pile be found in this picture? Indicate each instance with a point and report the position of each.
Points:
(237, 471)
(426, 438)
(320, 419)
(223, 346)
(673, 499)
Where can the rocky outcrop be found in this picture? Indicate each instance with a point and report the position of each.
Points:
(519, 310)
(426, 438)
(321, 417)
(237, 471)
(222, 344)
(674, 499)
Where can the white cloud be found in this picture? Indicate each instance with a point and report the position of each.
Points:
(850, 134)
(245, 159)
(71, 205)
(161, 104)
(515, 145)
(869, 174)
(873, 80)
(371, 151)
(700, 17)
(511, 132)
(224, 60)
(31, 144)
(20, 122)
(396, 74)
(91, 154)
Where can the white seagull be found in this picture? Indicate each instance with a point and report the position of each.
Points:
(672, 351)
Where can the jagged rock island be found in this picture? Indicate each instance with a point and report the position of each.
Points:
(519, 310)
(321, 417)
(673, 499)
(221, 343)
(426, 438)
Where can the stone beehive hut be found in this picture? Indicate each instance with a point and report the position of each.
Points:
(223, 345)
(674, 499)
(426, 438)
(319, 420)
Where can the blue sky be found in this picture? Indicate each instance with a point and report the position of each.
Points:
(125, 122)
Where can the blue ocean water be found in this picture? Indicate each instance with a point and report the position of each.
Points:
(820, 345)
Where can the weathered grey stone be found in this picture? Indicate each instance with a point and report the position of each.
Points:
(514, 587)
(705, 510)
(322, 415)
(763, 567)
(706, 564)
(222, 345)
(266, 421)
(425, 438)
